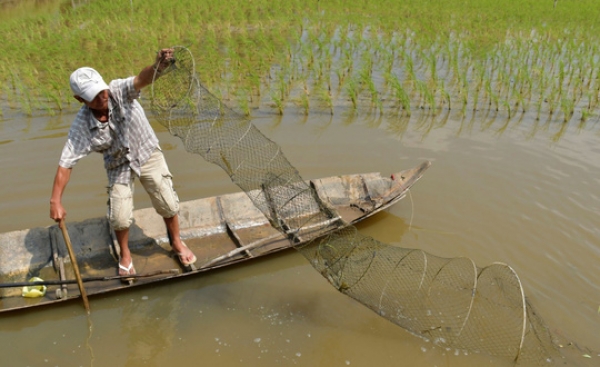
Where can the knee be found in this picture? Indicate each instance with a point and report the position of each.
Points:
(167, 212)
(119, 223)
(165, 200)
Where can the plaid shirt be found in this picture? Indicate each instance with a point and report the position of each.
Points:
(126, 141)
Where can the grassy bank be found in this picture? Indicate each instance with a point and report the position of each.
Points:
(386, 57)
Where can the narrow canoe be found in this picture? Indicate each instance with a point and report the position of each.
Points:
(221, 230)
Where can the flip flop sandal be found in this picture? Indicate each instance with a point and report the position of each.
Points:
(181, 257)
(130, 271)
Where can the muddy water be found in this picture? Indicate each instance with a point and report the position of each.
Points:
(518, 197)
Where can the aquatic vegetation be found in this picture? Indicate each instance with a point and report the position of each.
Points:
(539, 59)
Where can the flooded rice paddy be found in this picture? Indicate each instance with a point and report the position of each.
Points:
(514, 141)
(517, 195)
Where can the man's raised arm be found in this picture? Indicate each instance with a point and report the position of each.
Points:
(163, 60)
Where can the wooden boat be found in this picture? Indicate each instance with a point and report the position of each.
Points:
(221, 231)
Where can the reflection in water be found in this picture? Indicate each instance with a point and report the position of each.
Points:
(487, 121)
(150, 329)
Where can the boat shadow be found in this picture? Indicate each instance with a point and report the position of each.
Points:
(45, 252)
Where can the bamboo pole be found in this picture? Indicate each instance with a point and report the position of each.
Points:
(92, 279)
(65, 233)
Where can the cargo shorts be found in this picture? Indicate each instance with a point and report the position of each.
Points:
(157, 180)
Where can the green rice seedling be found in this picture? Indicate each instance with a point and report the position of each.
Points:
(420, 88)
(353, 90)
(475, 100)
(522, 102)
(242, 99)
(551, 103)
(320, 70)
(305, 99)
(593, 66)
(341, 75)
(506, 104)
(328, 61)
(561, 76)
(429, 96)
(365, 79)
(539, 104)
(445, 96)
(262, 36)
(495, 101)
(278, 103)
(433, 69)
(325, 96)
(585, 115)
(567, 108)
(409, 67)
(527, 91)
(21, 94)
(348, 62)
(389, 60)
(400, 94)
(55, 97)
(488, 89)
(464, 96)
(576, 92)
(590, 97)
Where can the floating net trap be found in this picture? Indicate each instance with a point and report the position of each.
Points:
(450, 302)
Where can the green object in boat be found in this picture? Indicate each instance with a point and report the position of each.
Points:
(33, 291)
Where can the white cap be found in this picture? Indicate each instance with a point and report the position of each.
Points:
(87, 83)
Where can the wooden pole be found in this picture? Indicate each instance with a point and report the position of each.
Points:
(65, 233)
(91, 279)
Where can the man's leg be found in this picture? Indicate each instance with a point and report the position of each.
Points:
(120, 216)
(125, 260)
(173, 227)
(157, 181)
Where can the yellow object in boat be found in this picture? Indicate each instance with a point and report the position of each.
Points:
(33, 291)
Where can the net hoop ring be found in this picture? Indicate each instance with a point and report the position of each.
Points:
(179, 53)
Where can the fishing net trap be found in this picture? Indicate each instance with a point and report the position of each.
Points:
(451, 302)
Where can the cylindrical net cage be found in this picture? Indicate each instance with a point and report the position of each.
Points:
(451, 302)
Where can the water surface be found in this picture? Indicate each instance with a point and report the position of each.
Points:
(518, 197)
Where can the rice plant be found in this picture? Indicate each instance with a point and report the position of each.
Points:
(539, 58)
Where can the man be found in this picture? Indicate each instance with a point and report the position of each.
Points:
(112, 122)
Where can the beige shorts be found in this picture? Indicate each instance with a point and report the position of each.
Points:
(158, 183)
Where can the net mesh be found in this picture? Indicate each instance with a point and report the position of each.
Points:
(451, 302)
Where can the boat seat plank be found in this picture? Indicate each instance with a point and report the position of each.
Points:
(239, 212)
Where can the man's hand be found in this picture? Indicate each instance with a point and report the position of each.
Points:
(57, 211)
(163, 60)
